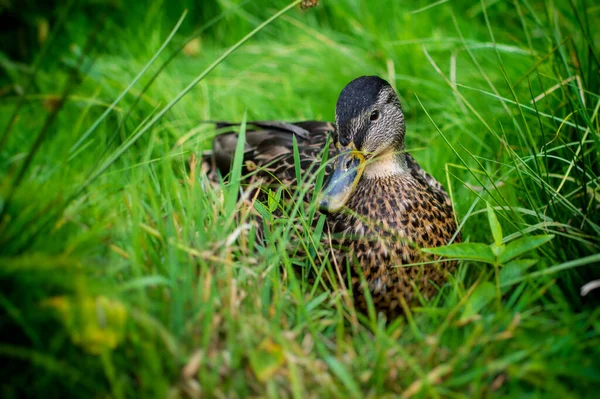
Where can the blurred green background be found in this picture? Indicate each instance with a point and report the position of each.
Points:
(115, 276)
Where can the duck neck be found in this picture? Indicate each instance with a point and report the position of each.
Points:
(387, 164)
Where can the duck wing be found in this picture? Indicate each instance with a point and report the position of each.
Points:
(269, 148)
(435, 188)
(428, 181)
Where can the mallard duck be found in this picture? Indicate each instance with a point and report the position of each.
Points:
(381, 207)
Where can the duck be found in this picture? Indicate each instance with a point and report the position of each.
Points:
(380, 206)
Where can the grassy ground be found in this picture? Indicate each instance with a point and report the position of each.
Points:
(123, 274)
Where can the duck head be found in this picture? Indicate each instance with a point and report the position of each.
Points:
(369, 140)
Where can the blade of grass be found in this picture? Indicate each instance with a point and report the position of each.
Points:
(36, 67)
(178, 97)
(72, 81)
(108, 110)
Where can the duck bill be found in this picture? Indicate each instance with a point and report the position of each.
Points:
(347, 170)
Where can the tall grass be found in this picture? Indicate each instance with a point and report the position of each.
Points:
(125, 272)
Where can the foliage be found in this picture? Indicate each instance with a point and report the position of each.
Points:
(124, 272)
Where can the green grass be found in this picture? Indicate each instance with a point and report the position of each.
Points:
(123, 273)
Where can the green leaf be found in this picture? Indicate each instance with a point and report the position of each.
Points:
(494, 226)
(513, 270)
(274, 200)
(316, 301)
(467, 250)
(481, 296)
(236, 169)
(523, 245)
(297, 167)
(262, 209)
(346, 378)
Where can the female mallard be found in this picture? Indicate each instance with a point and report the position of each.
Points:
(381, 206)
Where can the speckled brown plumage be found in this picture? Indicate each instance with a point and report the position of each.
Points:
(384, 234)
(386, 219)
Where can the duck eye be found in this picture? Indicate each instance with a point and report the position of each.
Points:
(374, 115)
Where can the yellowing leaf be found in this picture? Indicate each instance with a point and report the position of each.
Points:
(267, 359)
(96, 324)
(43, 29)
(193, 47)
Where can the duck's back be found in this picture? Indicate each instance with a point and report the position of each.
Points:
(269, 149)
